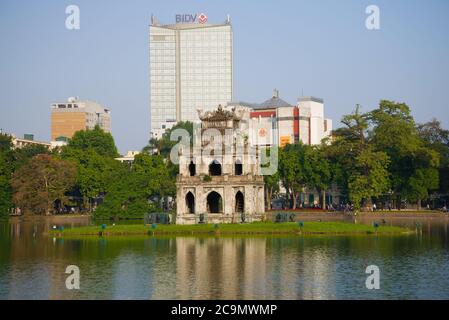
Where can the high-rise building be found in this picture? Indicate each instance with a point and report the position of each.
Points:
(75, 115)
(190, 68)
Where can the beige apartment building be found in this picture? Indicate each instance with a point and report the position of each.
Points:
(75, 115)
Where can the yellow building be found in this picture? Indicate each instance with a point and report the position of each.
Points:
(75, 115)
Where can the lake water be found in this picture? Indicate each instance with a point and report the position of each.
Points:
(32, 265)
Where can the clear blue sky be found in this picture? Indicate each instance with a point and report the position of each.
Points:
(320, 48)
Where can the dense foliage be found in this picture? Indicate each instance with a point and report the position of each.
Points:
(374, 154)
(42, 182)
(381, 153)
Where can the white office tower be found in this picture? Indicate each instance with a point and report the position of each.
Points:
(190, 68)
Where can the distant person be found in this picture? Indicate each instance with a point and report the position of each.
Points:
(374, 207)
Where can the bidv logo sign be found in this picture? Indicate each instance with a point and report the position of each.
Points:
(191, 18)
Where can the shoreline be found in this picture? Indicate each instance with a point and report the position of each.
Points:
(270, 215)
(257, 228)
(375, 214)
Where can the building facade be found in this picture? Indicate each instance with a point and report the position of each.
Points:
(75, 115)
(276, 122)
(190, 67)
(28, 140)
(128, 157)
(220, 180)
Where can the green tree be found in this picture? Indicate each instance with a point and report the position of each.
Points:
(142, 189)
(437, 139)
(293, 169)
(98, 140)
(370, 179)
(25, 154)
(93, 153)
(5, 186)
(395, 133)
(42, 181)
(361, 171)
(6, 169)
(271, 184)
(164, 145)
(319, 175)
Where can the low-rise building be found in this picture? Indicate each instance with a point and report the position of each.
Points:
(128, 157)
(28, 139)
(276, 122)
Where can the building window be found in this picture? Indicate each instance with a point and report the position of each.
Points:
(238, 168)
(192, 169)
(215, 168)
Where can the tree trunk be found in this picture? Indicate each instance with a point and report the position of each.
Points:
(367, 205)
(324, 200)
(419, 204)
(294, 199)
(266, 197)
(270, 195)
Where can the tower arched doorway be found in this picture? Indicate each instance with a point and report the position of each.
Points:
(239, 202)
(190, 202)
(214, 203)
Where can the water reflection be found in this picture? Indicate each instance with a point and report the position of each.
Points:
(32, 265)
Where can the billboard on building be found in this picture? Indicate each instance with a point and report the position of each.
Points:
(284, 141)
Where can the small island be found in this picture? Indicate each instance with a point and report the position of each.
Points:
(257, 228)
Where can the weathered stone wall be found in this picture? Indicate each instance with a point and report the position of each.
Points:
(227, 187)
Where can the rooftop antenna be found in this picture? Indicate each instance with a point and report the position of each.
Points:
(154, 21)
(228, 19)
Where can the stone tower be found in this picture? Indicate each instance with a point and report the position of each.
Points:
(219, 178)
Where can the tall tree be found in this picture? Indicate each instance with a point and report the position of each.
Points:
(362, 169)
(164, 145)
(394, 132)
(98, 140)
(370, 179)
(25, 154)
(319, 175)
(141, 189)
(437, 139)
(6, 169)
(294, 169)
(271, 184)
(93, 153)
(41, 182)
(5, 186)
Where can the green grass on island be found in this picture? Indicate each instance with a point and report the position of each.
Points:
(256, 228)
